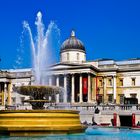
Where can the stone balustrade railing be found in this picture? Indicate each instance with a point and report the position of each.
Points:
(82, 107)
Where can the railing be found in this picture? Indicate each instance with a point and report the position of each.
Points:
(82, 107)
(105, 109)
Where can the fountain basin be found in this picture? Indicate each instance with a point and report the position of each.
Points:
(39, 122)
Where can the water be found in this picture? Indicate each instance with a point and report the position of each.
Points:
(91, 134)
(41, 47)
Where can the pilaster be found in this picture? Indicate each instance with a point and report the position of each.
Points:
(114, 88)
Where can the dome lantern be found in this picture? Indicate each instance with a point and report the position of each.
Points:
(72, 33)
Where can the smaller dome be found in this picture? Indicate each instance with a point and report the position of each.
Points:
(72, 43)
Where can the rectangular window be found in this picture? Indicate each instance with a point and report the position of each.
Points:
(110, 98)
(14, 100)
(133, 81)
(121, 82)
(67, 56)
(122, 99)
(100, 82)
(109, 82)
(100, 99)
(77, 56)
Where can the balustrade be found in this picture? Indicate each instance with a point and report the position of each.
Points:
(90, 107)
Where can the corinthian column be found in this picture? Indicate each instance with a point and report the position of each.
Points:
(5, 93)
(65, 87)
(57, 84)
(89, 88)
(9, 93)
(80, 85)
(72, 91)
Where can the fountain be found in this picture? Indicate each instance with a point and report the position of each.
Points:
(39, 121)
(38, 94)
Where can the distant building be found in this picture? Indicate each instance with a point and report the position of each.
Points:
(98, 81)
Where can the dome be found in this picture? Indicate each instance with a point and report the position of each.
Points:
(72, 44)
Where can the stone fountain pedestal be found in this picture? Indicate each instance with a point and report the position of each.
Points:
(39, 122)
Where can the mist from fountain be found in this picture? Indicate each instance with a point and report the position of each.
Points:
(40, 46)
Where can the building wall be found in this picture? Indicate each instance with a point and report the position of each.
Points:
(106, 90)
(101, 87)
(128, 89)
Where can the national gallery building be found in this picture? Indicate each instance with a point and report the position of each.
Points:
(98, 81)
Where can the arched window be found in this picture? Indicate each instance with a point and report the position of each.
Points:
(84, 57)
(77, 56)
(67, 56)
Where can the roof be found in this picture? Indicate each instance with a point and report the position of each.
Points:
(72, 43)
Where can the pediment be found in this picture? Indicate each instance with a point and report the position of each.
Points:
(61, 68)
(65, 66)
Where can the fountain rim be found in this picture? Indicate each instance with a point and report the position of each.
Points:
(26, 89)
(40, 111)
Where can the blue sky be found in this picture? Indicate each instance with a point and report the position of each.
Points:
(108, 28)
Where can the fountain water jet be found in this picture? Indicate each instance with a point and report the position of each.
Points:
(40, 47)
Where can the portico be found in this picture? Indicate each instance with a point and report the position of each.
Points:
(76, 80)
